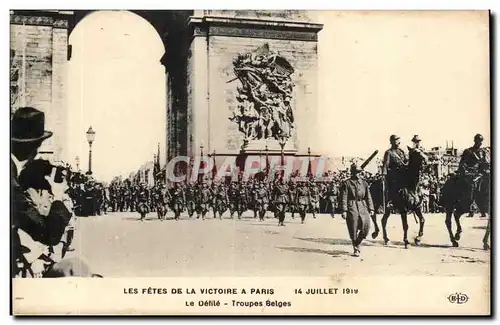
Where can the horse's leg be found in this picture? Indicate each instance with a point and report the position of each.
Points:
(404, 221)
(448, 226)
(384, 226)
(421, 218)
(376, 231)
(458, 234)
(486, 237)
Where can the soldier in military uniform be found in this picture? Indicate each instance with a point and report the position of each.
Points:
(220, 200)
(190, 199)
(132, 197)
(474, 163)
(314, 194)
(241, 199)
(302, 200)
(393, 169)
(142, 201)
(90, 199)
(178, 199)
(280, 195)
(292, 193)
(232, 195)
(331, 196)
(261, 200)
(357, 206)
(203, 198)
(163, 198)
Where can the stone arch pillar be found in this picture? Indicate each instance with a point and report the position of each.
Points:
(39, 51)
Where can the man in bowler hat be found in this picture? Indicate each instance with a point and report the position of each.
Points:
(28, 223)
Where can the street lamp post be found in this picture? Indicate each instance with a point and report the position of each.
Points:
(90, 140)
(77, 159)
(309, 169)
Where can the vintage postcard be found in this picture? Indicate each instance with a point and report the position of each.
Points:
(250, 162)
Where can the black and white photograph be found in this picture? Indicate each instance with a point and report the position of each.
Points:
(250, 162)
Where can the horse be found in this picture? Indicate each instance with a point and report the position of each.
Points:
(405, 198)
(376, 190)
(458, 194)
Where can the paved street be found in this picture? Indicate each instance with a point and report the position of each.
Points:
(118, 245)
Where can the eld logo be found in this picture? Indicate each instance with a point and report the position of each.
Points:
(458, 298)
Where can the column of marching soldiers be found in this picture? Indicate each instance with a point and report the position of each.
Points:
(216, 197)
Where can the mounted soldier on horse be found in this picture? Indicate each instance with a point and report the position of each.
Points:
(470, 184)
(400, 187)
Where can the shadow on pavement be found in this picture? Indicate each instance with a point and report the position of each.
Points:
(468, 259)
(333, 241)
(334, 253)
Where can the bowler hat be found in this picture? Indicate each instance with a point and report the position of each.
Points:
(393, 138)
(478, 137)
(28, 125)
(416, 138)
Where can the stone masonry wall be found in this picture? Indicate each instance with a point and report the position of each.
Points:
(40, 54)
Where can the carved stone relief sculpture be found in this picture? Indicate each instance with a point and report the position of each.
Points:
(264, 96)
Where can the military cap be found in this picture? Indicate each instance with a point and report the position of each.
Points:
(415, 138)
(355, 168)
(394, 138)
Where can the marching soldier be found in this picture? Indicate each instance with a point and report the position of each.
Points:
(162, 201)
(261, 200)
(241, 199)
(190, 199)
(142, 201)
(357, 206)
(254, 187)
(332, 193)
(302, 200)
(314, 194)
(220, 200)
(280, 200)
(132, 197)
(292, 193)
(203, 197)
(178, 200)
(233, 197)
